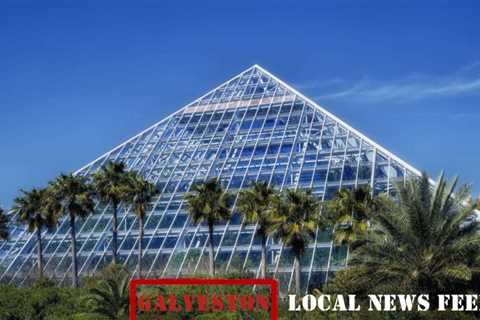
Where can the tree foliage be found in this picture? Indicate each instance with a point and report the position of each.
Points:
(297, 217)
(32, 210)
(348, 213)
(210, 204)
(108, 297)
(254, 204)
(141, 195)
(4, 230)
(71, 197)
(112, 186)
(426, 240)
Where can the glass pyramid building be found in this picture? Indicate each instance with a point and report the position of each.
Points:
(253, 127)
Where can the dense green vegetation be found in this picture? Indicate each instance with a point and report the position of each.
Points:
(105, 297)
(425, 241)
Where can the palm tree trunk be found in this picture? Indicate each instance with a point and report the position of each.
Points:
(264, 257)
(211, 252)
(74, 252)
(348, 244)
(297, 275)
(348, 255)
(114, 233)
(40, 253)
(140, 247)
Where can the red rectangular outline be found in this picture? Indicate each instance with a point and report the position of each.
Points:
(197, 281)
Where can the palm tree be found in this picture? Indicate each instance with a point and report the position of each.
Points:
(209, 203)
(426, 241)
(111, 185)
(297, 217)
(109, 296)
(4, 231)
(71, 196)
(349, 211)
(31, 210)
(142, 193)
(254, 204)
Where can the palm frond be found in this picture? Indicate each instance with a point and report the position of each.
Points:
(4, 230)
(208, 202)
(297, 216)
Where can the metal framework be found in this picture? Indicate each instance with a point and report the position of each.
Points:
(254, 127)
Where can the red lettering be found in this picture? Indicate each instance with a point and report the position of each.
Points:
(247, 303)
(217, 303)
(188, 300)
(172, 300)
(202, 302)
(144, 303)
(160, 305)
(232, 302)
(263, 302)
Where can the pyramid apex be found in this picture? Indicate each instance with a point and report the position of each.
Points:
(263, 70)
(256, 66)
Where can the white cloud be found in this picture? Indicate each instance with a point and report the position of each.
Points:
(315, 84)
(465, 80)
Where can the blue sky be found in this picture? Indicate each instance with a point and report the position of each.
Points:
(78, 78)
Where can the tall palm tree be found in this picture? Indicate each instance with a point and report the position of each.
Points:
(71, 196)
(4, 231)
(427, 240)
(31, 211)
(254, 204)
(209, 203)
(297, 217)
(142, 193)
(111, 185)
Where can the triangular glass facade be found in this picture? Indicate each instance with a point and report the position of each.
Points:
(253, 127)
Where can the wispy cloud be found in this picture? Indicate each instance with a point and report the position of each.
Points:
(316, 84)
(464, 80)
